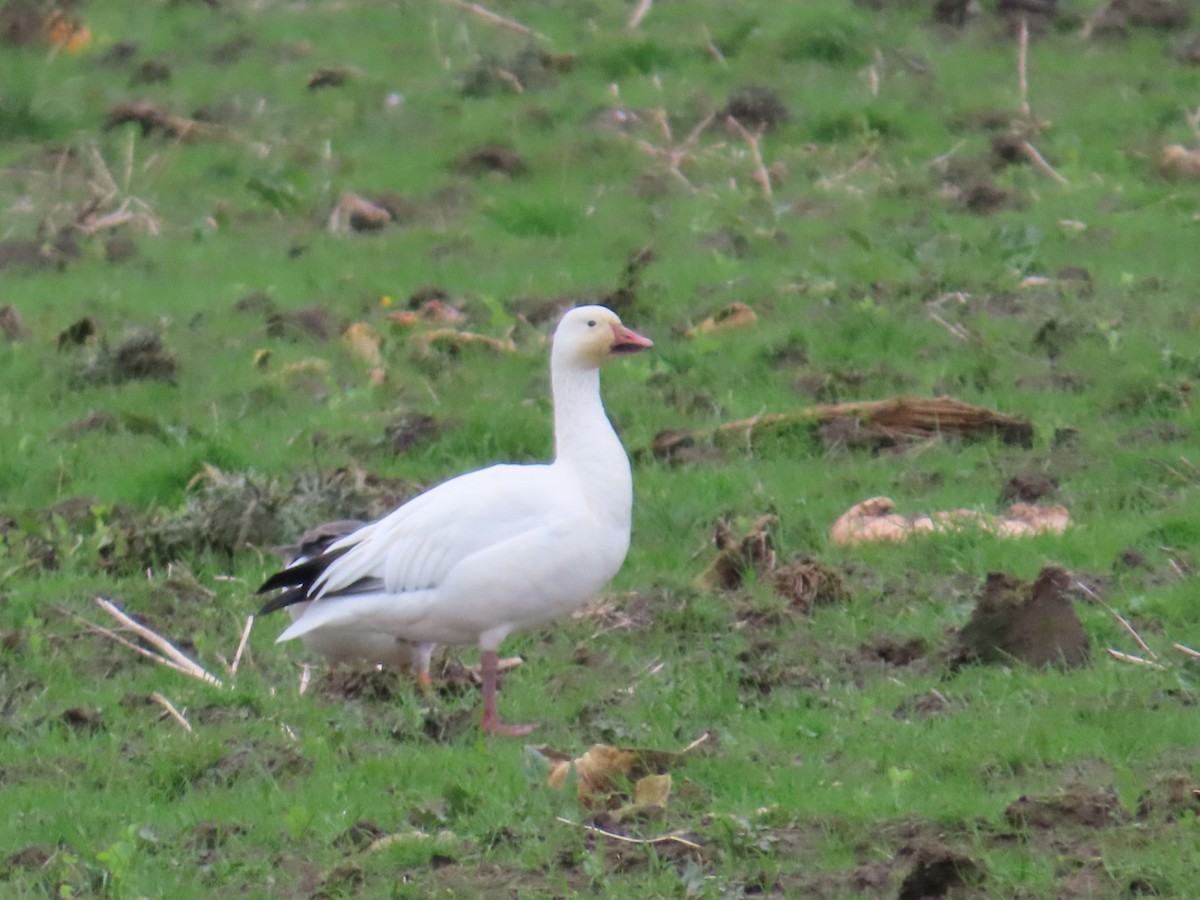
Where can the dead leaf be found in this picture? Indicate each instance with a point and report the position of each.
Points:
(1178, 161)
(78, 333)
(873, 521)
(603, 770)
(363, 341)
(504, 664)
(434, 312)
(652, 790)
(331, 76)
(354, 212)
(409, 837)
(453, 340)
(736, 315)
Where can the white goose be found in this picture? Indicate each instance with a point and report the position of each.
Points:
(349, 646)
(496, 550)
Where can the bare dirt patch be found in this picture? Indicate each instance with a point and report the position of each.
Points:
(1076, 805)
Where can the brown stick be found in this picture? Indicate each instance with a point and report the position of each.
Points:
(1039, 162)
(1136, 660)
(496, 18)
(1022, 65)
(171, 710)
(112, 635)
(241, 647)
(909, 415)
(761, 175)
(673, 837)
(1116, 615)
(713, 50)
(643, 7)
(170, 654)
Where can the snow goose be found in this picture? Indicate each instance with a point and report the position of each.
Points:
(493, 551)
(349, 646)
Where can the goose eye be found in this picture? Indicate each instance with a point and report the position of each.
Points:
(591, 323)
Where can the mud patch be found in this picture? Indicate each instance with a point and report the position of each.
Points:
(1169, 798)
(1077, 805)
(140, 357)
(34, 256)
(411, 430)
(921, 862)
(206, 836)
(893, 651)
(491, 159)
(78, 333)
(938, 871)
(1028, 487)
(35, 856)
(83, 719)
(366, 684)
(443, 726)
(255, 758)
(359, 836)
(809, 583)
(10, 323)
(1035, 624)
(931, 703)
(756, 107)
(314, 322)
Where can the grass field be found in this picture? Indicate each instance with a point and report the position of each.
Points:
(213, 220)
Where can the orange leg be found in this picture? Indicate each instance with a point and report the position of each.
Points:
(491, 719)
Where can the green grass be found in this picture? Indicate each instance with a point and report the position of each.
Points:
(816, 777)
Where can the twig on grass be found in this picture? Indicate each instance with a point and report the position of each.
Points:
(1116, 615)
(1136, 660)
(713, 50)
(643, 7)
(171, 710)
(1129, 657)
(671, 837)
(957, 330)
(1039, 161)
(495, 18)
(674, 156)
(1022, 66)
(169, 655)
(510, 79)
(761, 175)
(305, 677)
(241, 647)
(653, 669)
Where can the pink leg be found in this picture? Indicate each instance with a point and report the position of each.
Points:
(491, 720)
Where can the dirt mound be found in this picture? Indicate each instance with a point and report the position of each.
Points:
(1035, 624)
(1077, 804)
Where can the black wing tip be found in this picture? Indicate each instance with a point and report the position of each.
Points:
(280, 579)
(287, 598)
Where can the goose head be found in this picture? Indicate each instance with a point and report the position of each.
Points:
(589, 336)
